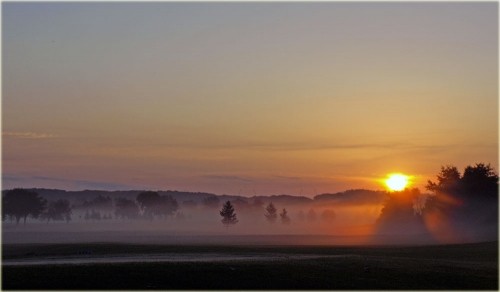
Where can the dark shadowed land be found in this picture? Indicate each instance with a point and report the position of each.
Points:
(460, 266)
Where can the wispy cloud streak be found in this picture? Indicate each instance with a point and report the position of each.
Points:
(13, 181)
(227, 177)
(28, 135)
(299, 146)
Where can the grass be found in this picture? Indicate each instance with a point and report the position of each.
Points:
(465, 266)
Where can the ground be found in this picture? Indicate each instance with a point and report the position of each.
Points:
(461, 266)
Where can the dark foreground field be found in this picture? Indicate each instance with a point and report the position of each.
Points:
(465, 266)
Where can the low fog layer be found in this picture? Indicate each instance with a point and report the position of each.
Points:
(95, 217)
(456, 208)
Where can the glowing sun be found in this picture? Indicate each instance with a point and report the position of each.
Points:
(397, 181)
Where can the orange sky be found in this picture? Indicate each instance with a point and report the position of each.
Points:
(245, 98)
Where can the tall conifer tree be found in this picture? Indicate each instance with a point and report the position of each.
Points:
(228, 214)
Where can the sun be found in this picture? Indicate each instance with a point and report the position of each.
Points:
(397, 181)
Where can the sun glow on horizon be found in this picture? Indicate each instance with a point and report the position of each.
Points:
(397, 181)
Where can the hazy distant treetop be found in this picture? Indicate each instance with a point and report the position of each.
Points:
(211, 201)
(311, 215)
(356, 196)
(152, 204)
(98, 202)
(286, 199)
(271, 213)
(165, 206)
(257, 202)
(328, 215)
(125, 208)
(284, 217)
(240, 203)
(57, 211)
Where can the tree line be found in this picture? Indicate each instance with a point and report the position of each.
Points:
(468, 199)
(20, 204)
(271, 214)
(471, 196)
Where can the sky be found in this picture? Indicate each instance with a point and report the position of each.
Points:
(245, 98)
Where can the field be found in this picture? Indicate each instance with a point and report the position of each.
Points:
(207, 267)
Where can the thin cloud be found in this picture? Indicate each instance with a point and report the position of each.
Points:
(227, 177)
(294, 178)
(28, 135)
(300, 146)
(13, 181)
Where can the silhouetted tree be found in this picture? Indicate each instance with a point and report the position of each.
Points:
(448, 181)
(271, 213)
(471, 198)
(228, 214)
(57, 211)
(399, 207)
(480, 181)
(459, 205)
(147, 200)
(447, 193)
(400, 216)
(21, 203)
(284, 217)
(126, 208)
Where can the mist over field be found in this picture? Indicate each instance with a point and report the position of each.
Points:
(195, 218)
(457, 209)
